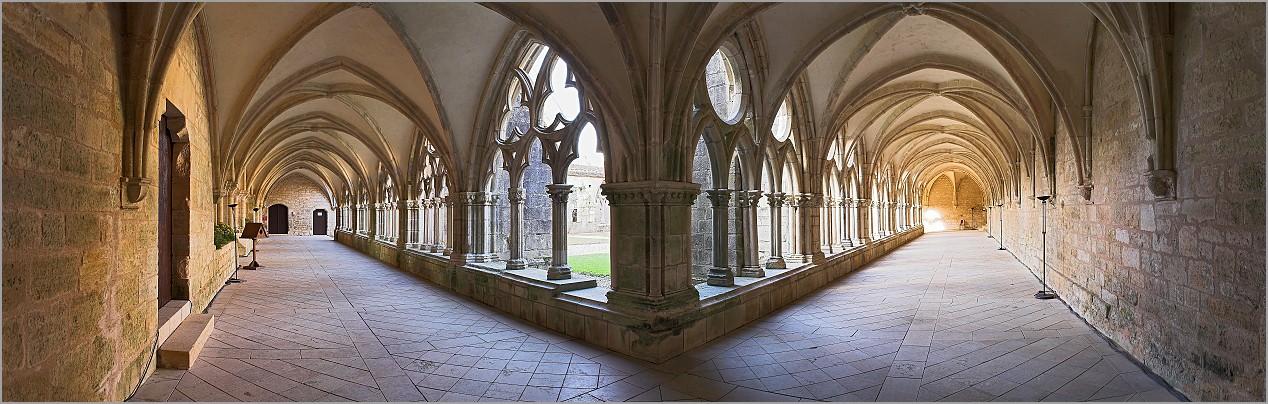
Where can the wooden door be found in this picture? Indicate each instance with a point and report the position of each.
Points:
(279, 219)
(319, 222)
(164, 216)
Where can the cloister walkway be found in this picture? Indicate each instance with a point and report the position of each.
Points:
(946, 317)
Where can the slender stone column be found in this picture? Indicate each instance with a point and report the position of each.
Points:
(899, 221)
(794, 236)
(720, 274)
(863, 207)
(846, 242)
(447, 226)
(375, 220)
(516, 260)
(425, 235)
(651, 246)
(559, 268)
(826, 232)
(411, 227)
(429, 238)
(431, 218)
(385, 220)
(893, 218)
(776, 260)
(917, 215)
(748, 266)
(479, 225)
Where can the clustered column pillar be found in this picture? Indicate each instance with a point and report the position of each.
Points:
(900, 216)
(375, 221)
(479, 226)
(720, 274)
(776, 260)
(424, 232)
(748, 265)
(810, 221)
(893, 218)
(651, 246)
(863, 206)
(447, 237)
(411, 226)
(559, 268)
(516, 259)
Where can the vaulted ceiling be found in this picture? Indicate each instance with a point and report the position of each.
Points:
(343, 92)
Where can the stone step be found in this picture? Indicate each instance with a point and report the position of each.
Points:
(171, 315)
(182, 348)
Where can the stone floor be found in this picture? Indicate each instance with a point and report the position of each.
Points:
(322, 322)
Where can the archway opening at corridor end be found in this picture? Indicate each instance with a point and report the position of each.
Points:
(954, 201)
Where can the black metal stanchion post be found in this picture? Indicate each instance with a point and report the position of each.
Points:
(234, 278)
(1045, 293)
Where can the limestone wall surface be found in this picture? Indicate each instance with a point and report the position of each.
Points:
(1179, 283)
(952, 204)
(185, 87)
(301, 196)
(76, 265)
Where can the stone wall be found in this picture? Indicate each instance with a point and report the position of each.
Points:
(80, 274)
(1178, 284)
(301, 196)
(185, 87)
(950, 205)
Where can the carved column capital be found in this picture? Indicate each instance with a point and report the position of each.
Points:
(412, 204)
(810, 200)
(474, 198)
(776, 199)
(651, 193)
(746, 199)
(719, 197)
(559, 192)
(514, 195)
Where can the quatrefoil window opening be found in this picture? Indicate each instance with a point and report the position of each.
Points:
(545, 84)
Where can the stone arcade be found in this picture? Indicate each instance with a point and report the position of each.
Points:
(634, 201)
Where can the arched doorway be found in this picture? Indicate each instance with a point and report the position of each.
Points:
(279, 219)
(319, 222)
(173, 207)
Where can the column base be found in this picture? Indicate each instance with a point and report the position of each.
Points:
(557, 272)
(648, 306)
(847, 244)
(434, 248)
(752, 272)
(447, 251)
(479, 257)
(517, 263)
(720, 277)
(776, 263)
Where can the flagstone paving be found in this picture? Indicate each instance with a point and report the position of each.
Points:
(322, 322)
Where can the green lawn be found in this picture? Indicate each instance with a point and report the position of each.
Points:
(593, 264)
